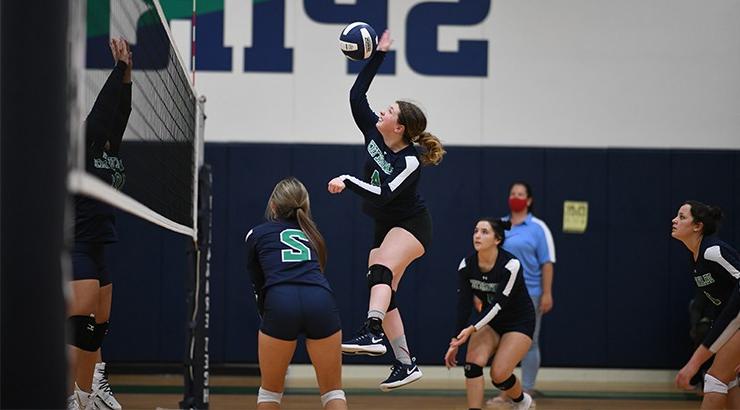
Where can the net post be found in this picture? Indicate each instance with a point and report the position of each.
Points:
(196, 365)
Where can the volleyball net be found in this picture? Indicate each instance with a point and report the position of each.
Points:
(158, 173)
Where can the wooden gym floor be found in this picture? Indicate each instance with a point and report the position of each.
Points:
(238, 392)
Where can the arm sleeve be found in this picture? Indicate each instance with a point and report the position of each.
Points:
(502, 297)
(121, 119)
(402, 177)
(726, 324)
(256, 274)
(364, 117)
(725, 257)
(464, 298)
(100, 120)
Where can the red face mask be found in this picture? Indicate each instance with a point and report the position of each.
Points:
(517, 204)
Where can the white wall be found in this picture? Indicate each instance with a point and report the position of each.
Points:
(580, 73)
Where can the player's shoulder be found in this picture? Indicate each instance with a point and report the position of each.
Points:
(466, 262)
(265, 228)
(509, 261)
(712, 248)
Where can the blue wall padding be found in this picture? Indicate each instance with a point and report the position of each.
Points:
(621, 288)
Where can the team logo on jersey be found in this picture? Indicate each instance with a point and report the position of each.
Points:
(704, 280)
(377, 154)
(113, 163)
(483, 286)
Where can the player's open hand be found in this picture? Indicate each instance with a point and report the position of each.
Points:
(336, 185)
(451, 356)
(384, 44)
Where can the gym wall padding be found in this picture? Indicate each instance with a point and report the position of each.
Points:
(621, 288)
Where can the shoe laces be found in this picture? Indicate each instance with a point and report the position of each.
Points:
(396, 368)
(104, 385)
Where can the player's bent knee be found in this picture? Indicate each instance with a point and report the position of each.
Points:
(472, 370)
(379, 274)
(82, 332)
(714, 385)
(332, 395)
(506, 384)
(266, 396)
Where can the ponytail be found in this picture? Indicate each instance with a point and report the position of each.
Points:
(433, 150)
(314, 236)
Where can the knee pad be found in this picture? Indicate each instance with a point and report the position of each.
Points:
(506, 384)
(332, 395)
(472, 370)
(81, 331)
(714, 385)
(265, 396)
(392, 305)
(379, 274)
(101, 330)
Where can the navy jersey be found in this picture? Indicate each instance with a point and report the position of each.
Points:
(279, 252)
(716, 275)
(106, 123)
(391, 178)
(502, 291)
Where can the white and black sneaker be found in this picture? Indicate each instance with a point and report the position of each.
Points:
(365, 342)
(101, 389)
(401, 375)
(73, 403)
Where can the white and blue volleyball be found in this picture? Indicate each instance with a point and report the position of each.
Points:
(358, 41)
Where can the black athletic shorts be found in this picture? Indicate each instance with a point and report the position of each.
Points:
(523, 322)
(419, 225)
(88, 262)
(292, 309)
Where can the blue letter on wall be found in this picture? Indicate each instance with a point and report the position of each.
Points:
(268, 37)
(373, 12)
(422, 25)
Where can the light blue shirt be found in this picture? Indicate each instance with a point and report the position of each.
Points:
(531, 242)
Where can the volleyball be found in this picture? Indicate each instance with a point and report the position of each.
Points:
(358, 41)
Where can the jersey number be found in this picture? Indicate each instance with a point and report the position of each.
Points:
(375, 178)
(298, 251)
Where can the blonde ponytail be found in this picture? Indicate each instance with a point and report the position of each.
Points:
(433, 150)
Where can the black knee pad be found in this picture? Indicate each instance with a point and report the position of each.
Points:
(506, 384)
(472, 370)
(101, 329)
(379, 274)
(392, 305)
(81, 330)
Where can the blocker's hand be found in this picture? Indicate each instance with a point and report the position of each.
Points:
(336, 185)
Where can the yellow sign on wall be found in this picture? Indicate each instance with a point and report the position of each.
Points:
(575, 216)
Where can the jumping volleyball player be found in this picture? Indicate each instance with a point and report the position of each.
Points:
(403, 226)
(92, 287)
(285, 260)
